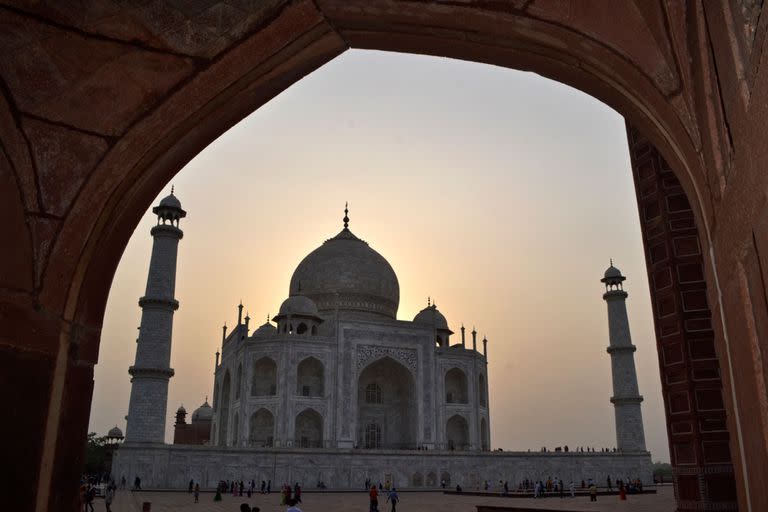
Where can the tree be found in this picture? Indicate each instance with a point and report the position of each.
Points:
(95, 454)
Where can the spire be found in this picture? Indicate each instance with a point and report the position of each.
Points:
(346, 215)
(429, 301)
(611, 260)
(171, 189)
(463, 342)
(240, 312)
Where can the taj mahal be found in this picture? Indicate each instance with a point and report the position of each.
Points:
(336, 389)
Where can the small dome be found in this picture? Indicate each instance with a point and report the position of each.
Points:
(115, 432)
(171, 202)
(204, 412)
(181, 409)
(298, 305)
(264, 330)
(612, 272)
(431, 315)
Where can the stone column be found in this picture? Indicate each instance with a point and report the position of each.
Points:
(626, 397)
(151, 370)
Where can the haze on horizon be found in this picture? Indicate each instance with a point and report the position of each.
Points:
(499, 193)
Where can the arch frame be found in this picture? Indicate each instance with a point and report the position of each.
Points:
(85, 250)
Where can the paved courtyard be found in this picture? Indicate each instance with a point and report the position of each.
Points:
(126, 501)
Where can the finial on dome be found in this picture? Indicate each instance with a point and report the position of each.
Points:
(206, 398)
(346, 215)
(171, 189)
(611, 259)
(429, 301)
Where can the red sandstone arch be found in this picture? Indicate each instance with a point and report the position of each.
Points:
(88, 142)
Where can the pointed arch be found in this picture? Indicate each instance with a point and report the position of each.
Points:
(457, 433)
(456, 386)
(482, 390)
(224, 409)
(261, 429)
(387, 405)
(310, 377)
(264, 381)
(235, 429)
(309, 429)
(484, 438)
(239, 381)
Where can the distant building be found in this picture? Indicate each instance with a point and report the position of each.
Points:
(198, 431)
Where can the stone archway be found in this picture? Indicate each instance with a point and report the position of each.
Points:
(310, 378)
(262, 429)
(457, 433)
(309, 429)
(386, 406)
(456, 386)
(224, 407)
(264, 381)
(78, 171)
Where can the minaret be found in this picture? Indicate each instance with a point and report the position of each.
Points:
(626, 397)
(151, 371)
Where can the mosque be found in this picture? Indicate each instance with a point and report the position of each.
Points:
(335, 389)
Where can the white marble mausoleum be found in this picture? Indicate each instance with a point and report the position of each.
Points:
(335, 388)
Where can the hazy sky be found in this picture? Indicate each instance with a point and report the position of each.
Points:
(499, 193)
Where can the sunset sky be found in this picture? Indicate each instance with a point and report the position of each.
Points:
(499, 193)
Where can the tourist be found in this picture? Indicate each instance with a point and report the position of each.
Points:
(297, 492)
(608, 481)
(622, 493)
(442, 483)
(137, 484)
(122, 482)
(191, 486)
(593, 492)
(263, 487)
(90, 494)
(109, 495)
(269, 486)
(292, 506)
(374, 497)
(560, 487)
(197, 492)
(458, 488)
(244, 507)
(217, 497)
(572, 488)
(393, 498)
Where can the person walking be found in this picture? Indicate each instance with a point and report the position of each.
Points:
(374, 497)
(109, 496)
(593, 492)
(622, 493)
(197, 492)
(573, 489)
(269, 486)
(393, 498)
(191, 486)
(608, 481)
(297, 493)
(292, 506)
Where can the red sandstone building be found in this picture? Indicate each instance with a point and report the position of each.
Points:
(102, 105)
(198, 431)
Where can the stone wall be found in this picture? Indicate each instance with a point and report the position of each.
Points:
(172, 466)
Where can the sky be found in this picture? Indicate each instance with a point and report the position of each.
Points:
(498, 193)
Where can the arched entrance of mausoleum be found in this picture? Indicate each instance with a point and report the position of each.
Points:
(386, 406)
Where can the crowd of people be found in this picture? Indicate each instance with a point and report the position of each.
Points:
(290, 496)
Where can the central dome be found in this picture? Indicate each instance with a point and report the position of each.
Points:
(346, 273)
